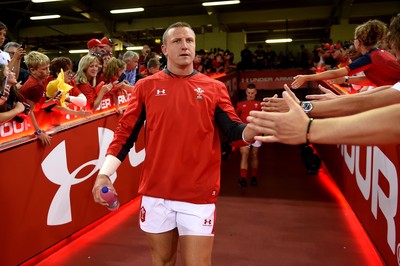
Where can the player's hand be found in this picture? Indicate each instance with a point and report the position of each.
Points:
(102, 181)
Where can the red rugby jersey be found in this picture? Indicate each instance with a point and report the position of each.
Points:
(379, 66)
(181, 136)
(243, 108)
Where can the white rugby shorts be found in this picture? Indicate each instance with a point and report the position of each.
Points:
(158, 215)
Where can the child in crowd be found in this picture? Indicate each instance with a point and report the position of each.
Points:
(33, 89)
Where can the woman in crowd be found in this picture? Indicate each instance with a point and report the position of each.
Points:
(115, 69)
(10, 100)
(103, 61)
(86, 80)
(74, 97)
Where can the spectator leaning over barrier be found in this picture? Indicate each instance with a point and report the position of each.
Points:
(372, 127)
(33, 89)
(380, 67)
(86, 81)
(10, 99)
(114, 75)
(71, 96)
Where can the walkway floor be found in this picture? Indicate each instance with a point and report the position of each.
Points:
(290, 218)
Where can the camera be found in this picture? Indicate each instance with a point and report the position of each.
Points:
(58, 93)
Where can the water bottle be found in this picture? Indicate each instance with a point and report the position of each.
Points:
(110, 198)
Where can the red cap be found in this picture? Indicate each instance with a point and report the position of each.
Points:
(108, 41)
(95, 43)
(336, 46)
(326, 46)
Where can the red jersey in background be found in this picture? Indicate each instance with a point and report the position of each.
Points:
(243, 108)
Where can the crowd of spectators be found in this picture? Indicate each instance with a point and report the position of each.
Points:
(323, 56)
(25, 76)
(267, 58)
(31, 82)
(213, 62)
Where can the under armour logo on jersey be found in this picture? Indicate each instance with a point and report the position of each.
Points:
(162, 92)
(207, 222)
(199, 92)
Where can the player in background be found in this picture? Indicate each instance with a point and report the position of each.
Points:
(243, 109)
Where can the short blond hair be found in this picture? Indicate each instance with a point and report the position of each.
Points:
(34, 59)
(175, 25)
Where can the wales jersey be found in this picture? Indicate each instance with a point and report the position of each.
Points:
(243, 108)
(181, 117)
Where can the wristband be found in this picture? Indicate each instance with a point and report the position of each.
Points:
(247, 142)
(308, 131)
(110, 165)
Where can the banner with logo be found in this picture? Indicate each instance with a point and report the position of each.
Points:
(368, 178)
(12, 129)
(270, 79)
(46, 191)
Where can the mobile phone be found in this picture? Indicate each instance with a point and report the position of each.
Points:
(3, 86)
(121, 78)
(27, 108)
(23, 45)
(58, 93)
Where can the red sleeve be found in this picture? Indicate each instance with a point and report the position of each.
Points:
(88, 91)
(74, 91)
(228, 121)
(129, 126)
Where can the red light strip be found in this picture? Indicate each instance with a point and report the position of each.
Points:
(367, 248)
(103, 225)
